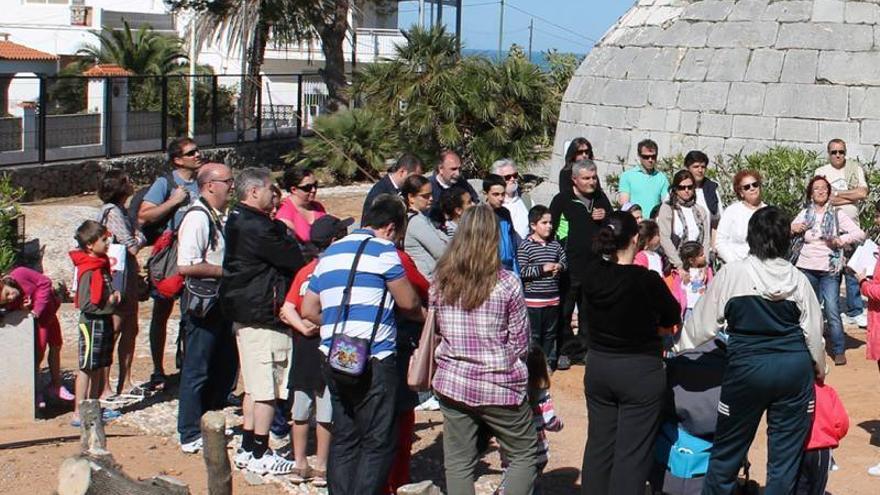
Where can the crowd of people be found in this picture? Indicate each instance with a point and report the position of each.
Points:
(315, 319)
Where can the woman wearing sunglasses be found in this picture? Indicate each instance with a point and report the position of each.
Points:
(730, 242)
(681, 219)
(300, 210)
(579, 149)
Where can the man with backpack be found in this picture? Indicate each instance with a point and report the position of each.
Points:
(211, 361)
(159, 210)
(260, 261)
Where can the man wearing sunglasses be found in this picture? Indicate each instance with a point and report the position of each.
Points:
(515, 202)
(848, 189)
(644, 185)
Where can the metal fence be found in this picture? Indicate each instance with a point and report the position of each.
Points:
(76, 117)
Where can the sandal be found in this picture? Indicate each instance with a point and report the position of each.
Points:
(157, 383)
(113, 400)
(300, 475)
(319, 478)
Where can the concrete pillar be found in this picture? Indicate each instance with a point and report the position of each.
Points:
(17, 374)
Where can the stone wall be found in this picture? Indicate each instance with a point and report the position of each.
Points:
(729, 76)
(60, 179)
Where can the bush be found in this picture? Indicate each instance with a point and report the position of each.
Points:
(9, 213)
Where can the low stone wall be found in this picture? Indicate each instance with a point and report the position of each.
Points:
(51, 180)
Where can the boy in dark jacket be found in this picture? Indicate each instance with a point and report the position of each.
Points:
(96, 300)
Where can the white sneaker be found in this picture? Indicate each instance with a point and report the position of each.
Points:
(874, 470)
(862, 319)
(270, 463)
(429, 405)
(241, 458)
(192, 447)
(847, 320)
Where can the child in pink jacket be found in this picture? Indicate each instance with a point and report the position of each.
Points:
(870, 288)
(32, 291)
(830, 425)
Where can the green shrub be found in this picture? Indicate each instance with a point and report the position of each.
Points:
(9, 212)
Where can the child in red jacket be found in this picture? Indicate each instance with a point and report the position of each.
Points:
(830, 425)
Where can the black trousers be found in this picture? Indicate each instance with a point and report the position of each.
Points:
(364, 438)
(624, 399)
(779, 383)
(543, 323)
(567, 343)
(813, 474)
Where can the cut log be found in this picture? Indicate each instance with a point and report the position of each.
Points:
(81, 475)
(93, 441)
(214, 451)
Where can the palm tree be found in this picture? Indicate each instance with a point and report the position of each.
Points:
(144, 52)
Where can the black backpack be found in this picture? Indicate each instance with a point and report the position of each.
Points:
(153, 230)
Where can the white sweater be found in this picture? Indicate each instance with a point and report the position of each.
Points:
(730, 242)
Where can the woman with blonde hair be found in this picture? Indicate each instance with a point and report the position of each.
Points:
(481, 376)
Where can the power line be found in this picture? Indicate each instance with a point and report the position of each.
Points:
(558, 36)
(547, 21)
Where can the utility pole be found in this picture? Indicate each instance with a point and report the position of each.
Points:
(501, 30)
(531, 32)
(421, 13)
(191, 101)
(440, 13)
(458, 27)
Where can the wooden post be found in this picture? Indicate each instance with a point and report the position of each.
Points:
(214, 451)
(93, 441)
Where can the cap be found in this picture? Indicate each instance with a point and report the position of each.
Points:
(328, 228)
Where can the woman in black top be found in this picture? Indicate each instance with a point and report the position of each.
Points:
(627, 309)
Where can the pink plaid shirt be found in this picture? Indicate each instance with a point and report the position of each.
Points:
(482, 352)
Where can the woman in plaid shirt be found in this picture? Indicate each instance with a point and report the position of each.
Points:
(481, 376)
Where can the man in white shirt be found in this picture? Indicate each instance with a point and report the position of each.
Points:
(848, 189)
(210, 362)
(516, 203)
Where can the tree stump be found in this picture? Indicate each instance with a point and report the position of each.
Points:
(81, 475)
(214, 451)
(93, 441)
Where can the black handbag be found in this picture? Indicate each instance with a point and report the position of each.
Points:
(199, 296)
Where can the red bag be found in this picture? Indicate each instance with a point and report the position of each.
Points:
(162, 266)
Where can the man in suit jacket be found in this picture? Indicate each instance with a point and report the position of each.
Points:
(407, 165)
(448, 174)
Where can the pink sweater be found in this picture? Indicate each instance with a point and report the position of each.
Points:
(301, 227)
(38, 288)
(816, 253)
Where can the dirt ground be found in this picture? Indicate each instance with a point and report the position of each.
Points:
(31, 453)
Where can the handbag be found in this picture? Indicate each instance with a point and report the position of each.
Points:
(199, 296)
(421, 363)
(117, 253)
(349, 357)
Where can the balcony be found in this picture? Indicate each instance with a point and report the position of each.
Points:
(373, 45)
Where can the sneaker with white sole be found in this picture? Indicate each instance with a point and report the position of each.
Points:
(193, 447)
(874, 470)
(862, 319)
(241, 458)
(270, 463)
(429, 405)
(847, 320)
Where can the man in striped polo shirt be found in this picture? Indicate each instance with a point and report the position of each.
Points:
(363, 412)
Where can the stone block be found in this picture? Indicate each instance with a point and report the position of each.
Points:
(857, 68)
(682, 143)
(684, 34)
(825, 36)
(625, 93)
(645, 36)
(848, 131)
(869, 132)
(797, 130)
(753, 127)
(733, 146)
(800, 66)
(864, 103)
(714, 124)
(828, 10)
(608, 116)
(631, 118)
(751, 34)
(663, 94)
(711, 146)
(660, 64)
(765, 66)
(708, 10)
(17, 376)
(806, 101)
(659, 16)
(728, 64)
(799, 11)
(695, 64)
(634, 17)
(653, 119)
(587, 89)
(617, 143)
(673, 120)
(862, 13)
(748, 10)
(746, 99)
(421, 488)
(689, 122)
(709, 96)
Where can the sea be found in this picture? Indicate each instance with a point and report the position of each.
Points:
(537, 56)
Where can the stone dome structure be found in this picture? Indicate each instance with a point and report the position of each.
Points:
(728, 76)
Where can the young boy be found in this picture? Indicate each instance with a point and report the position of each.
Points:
(96, 301)
(541, 260)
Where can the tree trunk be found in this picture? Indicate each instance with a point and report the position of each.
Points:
(93, 441)
(332, 29)
(255, 55)
(214, 450)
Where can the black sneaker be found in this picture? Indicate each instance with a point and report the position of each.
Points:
(563, 364)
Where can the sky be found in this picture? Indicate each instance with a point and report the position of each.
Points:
(567, 25)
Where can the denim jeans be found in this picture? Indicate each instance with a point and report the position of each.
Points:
(854, 303)
(208, 371)
(826, 285)
(364, 422)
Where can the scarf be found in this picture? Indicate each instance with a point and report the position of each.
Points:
(85, 263)
(828, 229)
(699, 215)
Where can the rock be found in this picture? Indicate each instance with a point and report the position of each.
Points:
(253, 478)
(421, 488)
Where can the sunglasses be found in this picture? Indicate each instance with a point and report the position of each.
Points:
(511, 176)
(837, 152)
(685, 188)
(750, 186)
(192, 152)
(308, 187)
(583, 152)
(647, 157)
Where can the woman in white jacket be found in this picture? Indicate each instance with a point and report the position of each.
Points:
(730, 241)
(774, 348)
(424, 242)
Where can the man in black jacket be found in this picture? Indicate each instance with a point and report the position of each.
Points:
(406, 165)
(447, 175)
(577, 215)
(260, 262)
